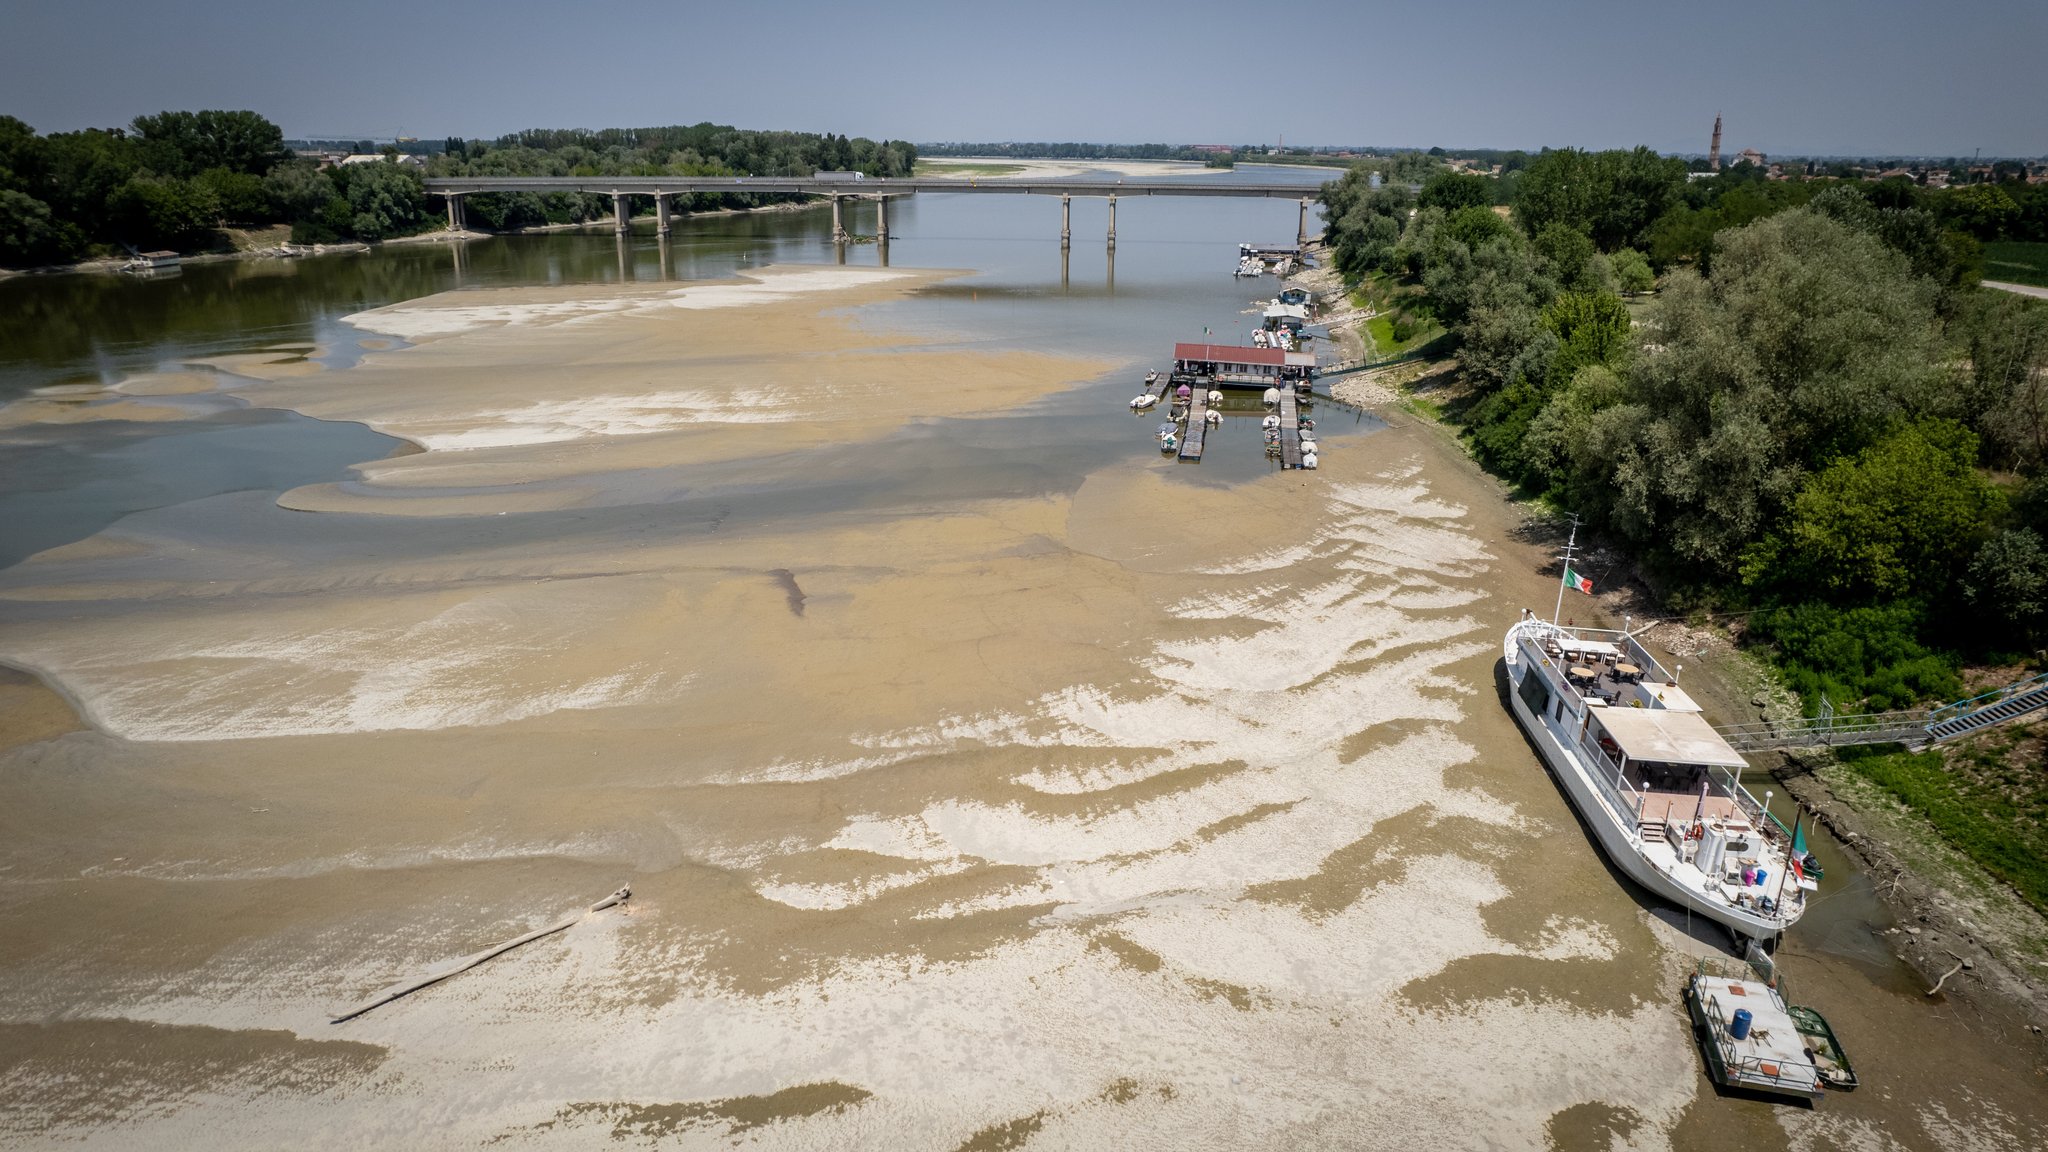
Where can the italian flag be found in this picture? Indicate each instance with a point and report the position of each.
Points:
(1582, 583)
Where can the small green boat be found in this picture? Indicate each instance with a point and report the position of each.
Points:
(1833, 1064)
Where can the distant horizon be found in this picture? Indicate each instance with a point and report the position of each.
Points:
(1380, 149)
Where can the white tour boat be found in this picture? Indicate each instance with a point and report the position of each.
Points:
(1659, 788)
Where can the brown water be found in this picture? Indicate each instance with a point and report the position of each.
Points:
(984, 780)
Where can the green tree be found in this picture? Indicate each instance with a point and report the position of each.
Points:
(240, 196)
(31, 235)
(1891, 522)
(188, 143)
(1451, 191)
(1983, 210)
(384, 200)
(159, 212)
(1569, 251)
(2008, 579)
(2008, 396)
(1592, 328)
(1632, 275)
(1474, 226)
(1807, 342)
(1614, 197)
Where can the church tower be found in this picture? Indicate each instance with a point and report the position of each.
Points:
(1714, 152)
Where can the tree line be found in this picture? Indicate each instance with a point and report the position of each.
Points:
(1819, 421)
(173, 179)
(696, 150)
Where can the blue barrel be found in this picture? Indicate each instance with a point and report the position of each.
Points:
(1740, 1028)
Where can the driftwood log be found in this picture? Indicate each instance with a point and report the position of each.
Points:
(435, 976)
(1960, 965)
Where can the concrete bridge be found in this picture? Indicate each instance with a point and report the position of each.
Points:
(880, 190)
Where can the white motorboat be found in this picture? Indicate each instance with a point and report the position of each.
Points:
(1657, 785)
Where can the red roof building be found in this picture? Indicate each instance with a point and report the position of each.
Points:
(1237, 364)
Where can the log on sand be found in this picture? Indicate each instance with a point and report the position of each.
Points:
(464, 964)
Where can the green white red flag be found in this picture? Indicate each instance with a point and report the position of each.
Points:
(1582, 583)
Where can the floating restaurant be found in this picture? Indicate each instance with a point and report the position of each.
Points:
(1231, 366)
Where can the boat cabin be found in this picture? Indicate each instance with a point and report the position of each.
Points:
(1290, 318)
(1228, 365)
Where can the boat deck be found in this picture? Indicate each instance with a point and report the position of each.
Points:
(1773, 1056)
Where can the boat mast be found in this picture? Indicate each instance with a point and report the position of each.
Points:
(1569, 546)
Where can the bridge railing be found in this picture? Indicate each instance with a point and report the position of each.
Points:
(1961, 709)
(1828, 731)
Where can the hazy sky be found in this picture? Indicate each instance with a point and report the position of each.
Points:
(1824, 76)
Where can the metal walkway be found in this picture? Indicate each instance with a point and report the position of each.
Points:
(1198, 425)
(1290, 429)
(1915, 727)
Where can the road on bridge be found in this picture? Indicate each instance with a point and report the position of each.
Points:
(878, 189)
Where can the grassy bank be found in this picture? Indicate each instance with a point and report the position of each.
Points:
(2016, 262)
(1988, 799)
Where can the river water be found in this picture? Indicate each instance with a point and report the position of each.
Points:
(984, 780)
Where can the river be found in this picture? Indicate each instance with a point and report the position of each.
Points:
(984, 779)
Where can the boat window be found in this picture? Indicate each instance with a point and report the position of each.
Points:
(1535, 693)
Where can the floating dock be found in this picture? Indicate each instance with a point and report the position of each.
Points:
(1198, 425)
(1290, 430)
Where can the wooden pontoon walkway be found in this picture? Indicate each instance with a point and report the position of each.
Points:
(1290, 430)
(1198, 425)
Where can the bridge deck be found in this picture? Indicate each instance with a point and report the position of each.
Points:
(868, 189)
(1198, 425)
(1290, 430)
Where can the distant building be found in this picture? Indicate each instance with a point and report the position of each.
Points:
(1752, 155)
(1216, 149)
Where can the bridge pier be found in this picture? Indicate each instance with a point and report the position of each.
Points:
(1066, 224)
(882, 221)
(838, 222)
(1301, 228)
(661, 223)
(1112, 222)
(457, 218)
(619, 215)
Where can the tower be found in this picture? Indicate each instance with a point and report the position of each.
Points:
(1714, 151)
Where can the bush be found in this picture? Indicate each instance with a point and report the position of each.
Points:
(1863, 659)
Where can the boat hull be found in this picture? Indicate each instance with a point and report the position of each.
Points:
(1611, 829)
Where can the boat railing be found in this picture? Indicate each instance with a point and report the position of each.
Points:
(1606, 773)
(1729, 786)
(1756, 1068)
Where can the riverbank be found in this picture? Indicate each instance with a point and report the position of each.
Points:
(271, 247)
(1948, 909)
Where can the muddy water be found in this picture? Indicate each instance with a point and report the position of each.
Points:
(984, 780)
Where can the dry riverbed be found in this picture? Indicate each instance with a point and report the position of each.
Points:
(962, 808)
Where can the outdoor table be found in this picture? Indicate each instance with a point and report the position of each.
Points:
(1581, 672)
(1627, 671)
